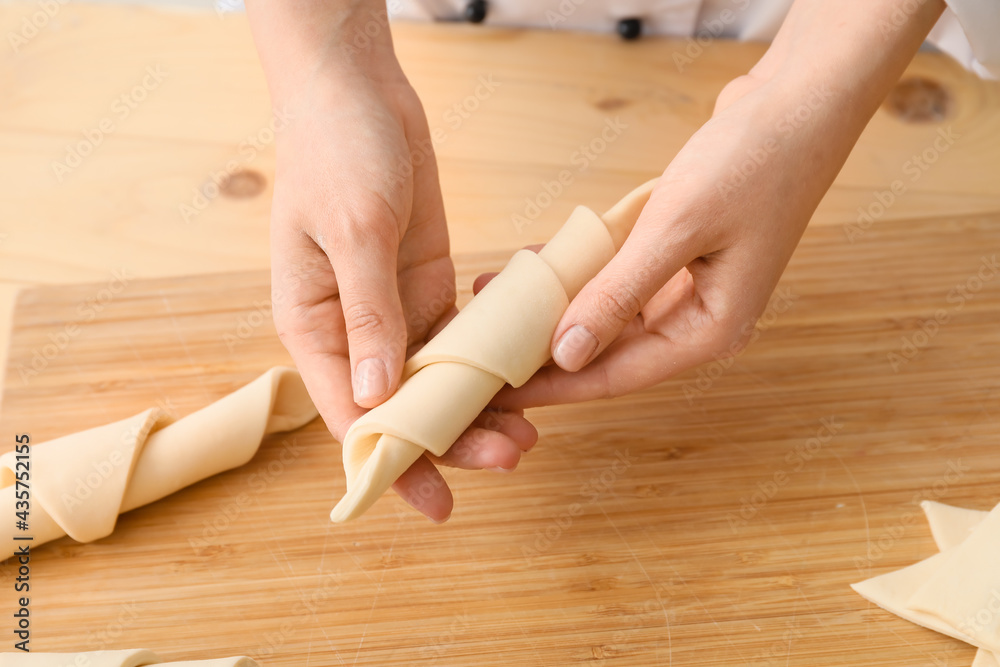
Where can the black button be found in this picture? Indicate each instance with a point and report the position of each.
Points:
(475, 11)
(630, 28)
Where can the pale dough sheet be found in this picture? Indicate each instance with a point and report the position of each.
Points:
(80, 483)
(949, 584)
(501, 336)
(128, 658)
(965, 591)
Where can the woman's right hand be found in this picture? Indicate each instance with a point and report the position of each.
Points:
(361, 271)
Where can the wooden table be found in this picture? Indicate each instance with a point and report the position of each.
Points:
(718, 523)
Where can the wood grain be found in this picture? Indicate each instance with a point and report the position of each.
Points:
(727, 533)
(554, 92)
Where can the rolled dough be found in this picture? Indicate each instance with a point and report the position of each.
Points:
(80, 483)
(501, 336)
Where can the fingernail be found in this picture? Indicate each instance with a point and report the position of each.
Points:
(499, 469)
(574, 348)
(441, 521)
(370, 380)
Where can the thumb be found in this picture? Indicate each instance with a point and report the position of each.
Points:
(373, 314)
(612, 299)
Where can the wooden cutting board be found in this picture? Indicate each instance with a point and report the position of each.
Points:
(715, 520)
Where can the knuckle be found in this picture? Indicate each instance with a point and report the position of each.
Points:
(369, 221)
(364, 320)
(618, 305)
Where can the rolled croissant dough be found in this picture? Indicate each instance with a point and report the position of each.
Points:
(128, 658)
(501, 336)
(950, 591)
(80, 483)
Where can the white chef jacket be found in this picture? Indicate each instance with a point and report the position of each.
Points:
(969, 30)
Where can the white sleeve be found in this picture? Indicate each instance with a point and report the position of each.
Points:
(969, 31)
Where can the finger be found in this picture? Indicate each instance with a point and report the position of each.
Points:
(428, 294)
(482, 449)
(311, 326)
(364, 260)
(626, 366)
(424, 489)
(495, 441)
(656, 249)
(511, 423)
(682, 327)
(482, 281)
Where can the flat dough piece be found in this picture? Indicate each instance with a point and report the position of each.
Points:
(129, 658)
(502, 336)
(893, 590)
(985, 659)
(965, 592)
(80, 483)
(950, 527)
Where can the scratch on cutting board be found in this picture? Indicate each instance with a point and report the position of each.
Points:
(301, 593)
(666, 614)
(322, 553)
(510, 612)
(864, 507)
(378, 591)
(780, 536)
